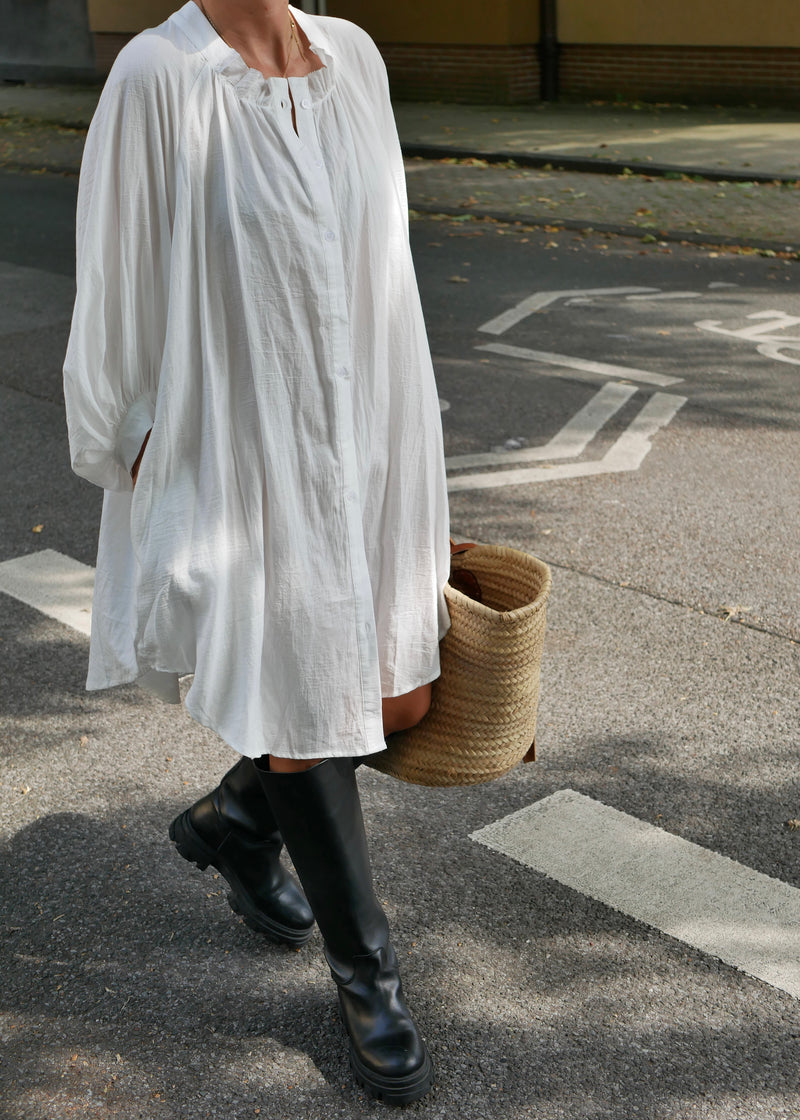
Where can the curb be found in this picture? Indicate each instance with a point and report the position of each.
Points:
(29, 168)
(584, 164)
(690, 236)
(522, 159)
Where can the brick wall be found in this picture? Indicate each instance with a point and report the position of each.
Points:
(478, 74)
(510, 74)
(107, 45)
(427, 72)
(737, 75)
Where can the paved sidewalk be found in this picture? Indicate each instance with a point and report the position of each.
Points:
(746, 143)
(653, 172)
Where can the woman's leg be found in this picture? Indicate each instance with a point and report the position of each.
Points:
(399, 713)
(402, 712)
(290, 765)
(319, 814)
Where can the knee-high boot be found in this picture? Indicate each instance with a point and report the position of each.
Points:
(233, 829)
(319, 814)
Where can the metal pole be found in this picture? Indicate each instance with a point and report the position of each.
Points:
(548, 49)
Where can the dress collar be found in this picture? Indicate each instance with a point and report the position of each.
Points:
(250, 83)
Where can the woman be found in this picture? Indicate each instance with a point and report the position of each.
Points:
(248, 348)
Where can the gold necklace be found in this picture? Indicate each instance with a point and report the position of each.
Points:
(292, 36)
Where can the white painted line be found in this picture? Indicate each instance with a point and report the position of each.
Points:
(571, 441)
(598, 371)
(668, 295)
(629, 451)
(777, 352)
(706, 900)
(54, 584)
(539, 300)
(627, 454)
(767, 329)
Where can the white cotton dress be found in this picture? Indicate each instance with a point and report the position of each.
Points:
(247, 290)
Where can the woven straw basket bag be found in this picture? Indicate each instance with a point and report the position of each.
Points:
(482, 718)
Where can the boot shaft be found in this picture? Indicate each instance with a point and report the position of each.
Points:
(237, 803)
(319, 815)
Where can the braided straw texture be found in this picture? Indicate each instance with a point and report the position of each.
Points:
(482, 719)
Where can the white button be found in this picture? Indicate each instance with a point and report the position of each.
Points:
(330, 235)
(306, 103)
(283, 104)
(350, 495)
(318, 163)
(343, 371)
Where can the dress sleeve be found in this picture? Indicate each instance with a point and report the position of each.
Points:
(124, 227)
(389, 131)
(367, 59)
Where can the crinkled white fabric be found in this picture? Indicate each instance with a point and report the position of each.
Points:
(248, 291)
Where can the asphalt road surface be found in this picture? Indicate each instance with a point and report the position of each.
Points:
(653, 462)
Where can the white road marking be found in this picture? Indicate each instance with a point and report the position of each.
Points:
(627, 454)
(629, 450)
(770, 350)
(54, 584)
(668, 295)
(764, 330)
(767, 332)
(721, 907)
(599, 371)
(571, 441)
(539, 300)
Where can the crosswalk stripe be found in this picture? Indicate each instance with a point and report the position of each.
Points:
(721, 907)
(54, 584)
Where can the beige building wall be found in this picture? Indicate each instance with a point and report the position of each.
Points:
(702, 23)
(486, 51)
(720, 23)
(126, 16)
(413, 21)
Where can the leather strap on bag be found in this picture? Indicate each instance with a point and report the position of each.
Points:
(463, 579)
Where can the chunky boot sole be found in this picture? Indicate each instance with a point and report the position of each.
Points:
(393, 1090)
(194, 849)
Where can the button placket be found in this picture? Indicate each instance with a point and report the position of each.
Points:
(341, 363)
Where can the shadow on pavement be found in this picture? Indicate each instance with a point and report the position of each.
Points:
(128, 985)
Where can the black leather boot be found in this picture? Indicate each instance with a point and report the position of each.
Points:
(319, 815)
(233, 829)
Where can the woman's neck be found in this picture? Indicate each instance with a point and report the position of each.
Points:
(260, 30)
